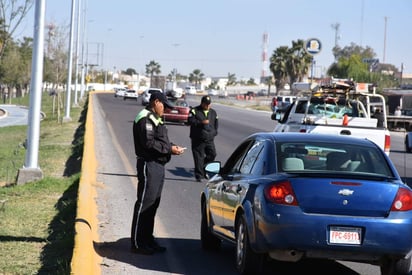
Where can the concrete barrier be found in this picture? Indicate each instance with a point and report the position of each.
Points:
(85, 259)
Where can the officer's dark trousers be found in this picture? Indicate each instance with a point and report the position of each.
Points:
(150, 176)
(203, 153)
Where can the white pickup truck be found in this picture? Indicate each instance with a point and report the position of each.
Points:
(337, 108)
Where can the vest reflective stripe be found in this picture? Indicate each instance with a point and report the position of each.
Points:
(144, 113)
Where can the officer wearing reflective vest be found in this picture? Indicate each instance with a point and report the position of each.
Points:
(153, 150)
(203, 121)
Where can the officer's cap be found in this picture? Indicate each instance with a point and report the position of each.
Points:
(206, 100)
(162, 98)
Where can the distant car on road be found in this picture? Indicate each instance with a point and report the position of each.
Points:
(281, 103)
(179, 113)
(291, 196)
(212, 92)
(119, 92)
(190, 90)
(130, 94)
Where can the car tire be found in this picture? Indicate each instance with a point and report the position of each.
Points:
(247, 261)
(396, 267)
(208, 240)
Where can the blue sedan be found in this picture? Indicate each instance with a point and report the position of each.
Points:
(290, 196)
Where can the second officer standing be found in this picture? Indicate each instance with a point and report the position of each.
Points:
(203, 121)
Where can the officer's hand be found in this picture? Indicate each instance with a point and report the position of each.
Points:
(206, 121)
(178, 150)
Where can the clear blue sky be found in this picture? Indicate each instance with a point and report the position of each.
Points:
(226, 36)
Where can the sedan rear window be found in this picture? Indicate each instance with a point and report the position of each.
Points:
(331, 158)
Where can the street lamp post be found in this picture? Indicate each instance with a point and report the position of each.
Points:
(75, 101)
(69, 67)
(31, 170)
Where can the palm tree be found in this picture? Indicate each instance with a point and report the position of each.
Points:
(152, 68)
(278, 67)
(196, 77)
(231, 79)
(298, 61)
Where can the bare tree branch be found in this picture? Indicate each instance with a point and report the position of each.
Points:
(12, 12)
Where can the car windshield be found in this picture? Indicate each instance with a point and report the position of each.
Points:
(332, 157)
(332, 107)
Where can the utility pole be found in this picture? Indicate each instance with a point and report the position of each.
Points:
(384, 40)
(67, 117)
(31, 170)
(336, 27)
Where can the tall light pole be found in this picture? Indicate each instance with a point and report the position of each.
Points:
(384, 40)
(31, 170)
(75, 101)
(69, 66)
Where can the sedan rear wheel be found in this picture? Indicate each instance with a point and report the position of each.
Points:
(208, 240)
(247, 261)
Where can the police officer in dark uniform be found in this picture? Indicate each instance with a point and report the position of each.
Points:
(153, 150)
(203, 123)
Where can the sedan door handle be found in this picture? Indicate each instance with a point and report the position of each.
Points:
(345, 132)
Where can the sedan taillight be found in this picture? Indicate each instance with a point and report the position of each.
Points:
(402, 201)
(281, 193)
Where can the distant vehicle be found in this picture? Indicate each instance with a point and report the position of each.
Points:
(250, 94)
(179, 113)
(223, 94)
(119, 92)
(262, 92)
(293, 196)
(190, 90)
(147, 93)
(130, 94)
(176, 93)
(281, 103)
(212, 92)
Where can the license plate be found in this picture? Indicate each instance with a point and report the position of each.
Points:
(174, 112)
(345, 235)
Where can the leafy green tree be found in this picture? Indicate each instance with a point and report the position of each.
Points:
(130, 71)
(231, 79)
(352, 49)
(213, 85)
(350, 63)
(251, 82)
(153, 68)
(196, 77)
(12, 13)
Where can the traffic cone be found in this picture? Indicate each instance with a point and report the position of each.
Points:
(345, 120)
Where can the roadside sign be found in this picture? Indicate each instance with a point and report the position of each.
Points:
(313, 46)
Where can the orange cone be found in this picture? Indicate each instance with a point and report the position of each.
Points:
(345, 120)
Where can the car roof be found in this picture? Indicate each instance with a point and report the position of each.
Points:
(302, 137)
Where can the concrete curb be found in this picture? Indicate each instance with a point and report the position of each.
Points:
(85, 259)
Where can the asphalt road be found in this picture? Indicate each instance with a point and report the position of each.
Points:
(13, 115)
(178, 219)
